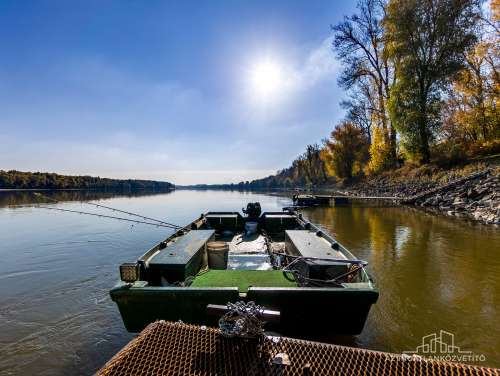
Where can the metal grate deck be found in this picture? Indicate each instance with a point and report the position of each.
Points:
(166, 348)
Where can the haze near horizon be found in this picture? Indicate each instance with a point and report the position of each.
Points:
(187, 92)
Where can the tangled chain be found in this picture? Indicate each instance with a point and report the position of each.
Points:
(242, 320)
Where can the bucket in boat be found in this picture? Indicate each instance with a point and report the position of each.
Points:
(217, 255)
(251, 228)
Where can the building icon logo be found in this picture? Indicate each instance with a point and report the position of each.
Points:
(441, 346)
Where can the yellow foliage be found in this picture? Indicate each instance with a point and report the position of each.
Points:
(495, 10)
(327, 158)
(472, 113)
(346, 151)
(380, 152)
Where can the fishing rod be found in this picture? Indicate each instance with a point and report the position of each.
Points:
(117, 210)
(107, 216)
(133, 214)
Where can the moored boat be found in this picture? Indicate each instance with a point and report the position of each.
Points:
(279, 260)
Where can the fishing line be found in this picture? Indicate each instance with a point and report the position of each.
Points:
(117, 210)
(133, 214)
(108, 216)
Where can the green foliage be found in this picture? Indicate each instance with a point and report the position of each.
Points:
(416, 120)
(43, 180)
(427, 40)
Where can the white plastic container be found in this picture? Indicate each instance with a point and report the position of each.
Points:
(217, 255)
(251, 228)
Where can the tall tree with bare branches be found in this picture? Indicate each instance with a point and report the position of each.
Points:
(359, 42)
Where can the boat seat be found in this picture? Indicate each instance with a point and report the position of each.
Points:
(308, 244)
(224, 221)
(278, 222)
(181, 258)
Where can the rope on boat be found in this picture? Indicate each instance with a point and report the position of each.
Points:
(107, 216)
(345, 261)
(304, 280)
(117, 210)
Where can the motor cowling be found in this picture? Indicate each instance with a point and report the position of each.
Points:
(253, 210)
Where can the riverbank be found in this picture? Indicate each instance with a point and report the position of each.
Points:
(476, 198)
(18, 180)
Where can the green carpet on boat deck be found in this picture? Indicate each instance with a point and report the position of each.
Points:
(243, 279)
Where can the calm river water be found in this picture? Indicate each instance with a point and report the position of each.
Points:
(56, 317)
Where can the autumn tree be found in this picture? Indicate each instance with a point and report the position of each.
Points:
(359, 41)
(471, 115)
(311, 165)
(359, 110)
(427, 40)
(347, 150)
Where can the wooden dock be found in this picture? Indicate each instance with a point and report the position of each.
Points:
(336, 200)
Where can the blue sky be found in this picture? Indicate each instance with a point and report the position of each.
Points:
(165, 89)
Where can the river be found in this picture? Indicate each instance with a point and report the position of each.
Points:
(434, 273)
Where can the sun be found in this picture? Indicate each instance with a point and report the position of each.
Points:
(266, 78)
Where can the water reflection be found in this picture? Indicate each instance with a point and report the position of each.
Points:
(433, 273)
(56, 317)
(14, 198)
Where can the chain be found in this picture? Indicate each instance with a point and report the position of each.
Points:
(242, 320)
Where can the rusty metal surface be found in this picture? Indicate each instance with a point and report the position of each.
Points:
(166, 348)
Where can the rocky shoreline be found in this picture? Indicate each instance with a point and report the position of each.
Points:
(476, 196)
(478, 199)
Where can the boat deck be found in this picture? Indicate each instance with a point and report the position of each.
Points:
(244, 279)
(166, 348)
(248, 253)
(249, 265)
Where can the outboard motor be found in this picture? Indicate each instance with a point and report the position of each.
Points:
(253, 210)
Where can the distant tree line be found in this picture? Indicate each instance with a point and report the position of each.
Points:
(43, 180)
(422, 82)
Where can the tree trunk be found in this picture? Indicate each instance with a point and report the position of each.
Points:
(425, 155)
(381, 109)
(393, 143)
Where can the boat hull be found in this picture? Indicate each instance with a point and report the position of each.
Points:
(302, 310)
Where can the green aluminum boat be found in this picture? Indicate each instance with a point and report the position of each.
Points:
(279, 260)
